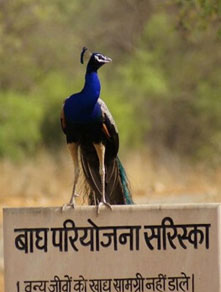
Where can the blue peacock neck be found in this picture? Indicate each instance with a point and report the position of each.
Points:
(92, 86)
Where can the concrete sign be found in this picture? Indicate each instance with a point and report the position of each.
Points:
(129, 249)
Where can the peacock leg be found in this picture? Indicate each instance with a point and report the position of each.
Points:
(100, 149)
(73, 148)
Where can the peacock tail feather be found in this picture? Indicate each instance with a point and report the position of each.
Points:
(125, 183)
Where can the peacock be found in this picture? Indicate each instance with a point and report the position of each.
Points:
(93, 140)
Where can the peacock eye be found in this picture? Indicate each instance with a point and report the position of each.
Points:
(99, 58)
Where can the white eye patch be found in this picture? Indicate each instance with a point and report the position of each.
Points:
(99, 57)
(102, 59)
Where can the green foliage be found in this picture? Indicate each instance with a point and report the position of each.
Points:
(208, 105)
(163, 86)
(174, 91)
(20, 120)
(199, 14)
(123, 112)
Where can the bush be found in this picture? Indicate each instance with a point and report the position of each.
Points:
(20, 120)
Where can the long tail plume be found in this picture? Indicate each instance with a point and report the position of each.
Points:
(125, 184)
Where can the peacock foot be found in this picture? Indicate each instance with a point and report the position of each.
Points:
(103, 204)
(71, 204)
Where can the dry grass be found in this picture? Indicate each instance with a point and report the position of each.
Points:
(47, 181)
(170, 179)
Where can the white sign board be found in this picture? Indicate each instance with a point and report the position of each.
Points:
(129, 249)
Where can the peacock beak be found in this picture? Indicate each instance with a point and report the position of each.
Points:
(107, 60)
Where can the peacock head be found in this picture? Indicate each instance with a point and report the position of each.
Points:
(95, 60)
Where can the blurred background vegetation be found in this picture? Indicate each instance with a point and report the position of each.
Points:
(163, 87)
